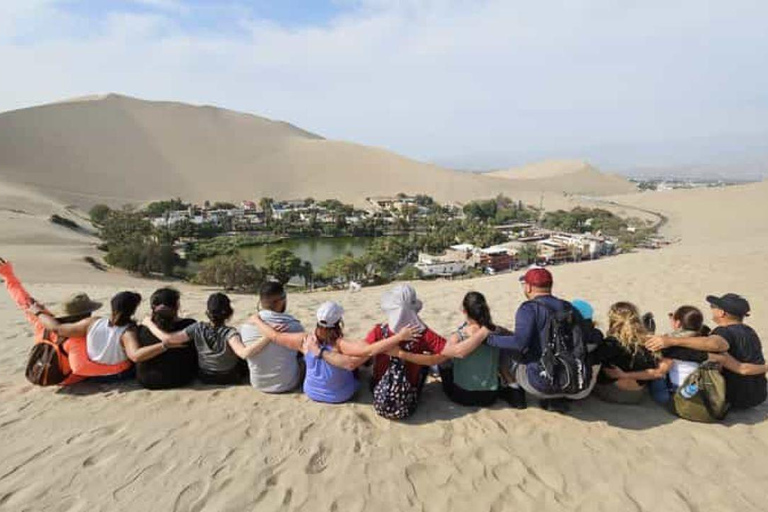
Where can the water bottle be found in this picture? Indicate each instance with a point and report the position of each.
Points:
(690, 390)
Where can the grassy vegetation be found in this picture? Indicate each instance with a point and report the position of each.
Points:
(226, 245)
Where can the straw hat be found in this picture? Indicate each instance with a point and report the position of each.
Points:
(79, 304)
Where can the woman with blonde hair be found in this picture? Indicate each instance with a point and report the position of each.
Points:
(627, 365)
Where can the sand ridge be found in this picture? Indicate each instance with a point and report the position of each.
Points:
(118, 149)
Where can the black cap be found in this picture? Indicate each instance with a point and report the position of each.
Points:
(731, 303)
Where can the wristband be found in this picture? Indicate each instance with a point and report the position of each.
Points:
(322, 349)
(164, 345)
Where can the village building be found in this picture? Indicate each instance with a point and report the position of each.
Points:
(553, 252)
(496, 259)
(443, 265)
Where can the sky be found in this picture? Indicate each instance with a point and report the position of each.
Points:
(472, 84)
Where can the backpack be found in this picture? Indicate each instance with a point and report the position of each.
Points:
(563, 364)
(701, 397)
(48, 363)
(394, 397)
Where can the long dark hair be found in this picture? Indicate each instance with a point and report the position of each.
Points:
(477, 310)
(219, 309)
(329, 335)
(691, 319)
(165, 308)
(124, 305)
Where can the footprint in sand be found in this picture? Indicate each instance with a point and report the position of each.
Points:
(191, 498)
(303, 432)
(139, 480)
(317, 462)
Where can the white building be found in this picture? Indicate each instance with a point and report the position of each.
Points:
(430, 265)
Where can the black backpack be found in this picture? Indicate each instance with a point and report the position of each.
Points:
(563, 363)
(394, 397)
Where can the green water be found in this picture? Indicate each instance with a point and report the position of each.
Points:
(317, 251)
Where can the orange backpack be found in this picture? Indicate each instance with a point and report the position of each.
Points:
(48, 363)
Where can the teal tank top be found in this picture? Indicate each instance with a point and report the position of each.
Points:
(479, 371)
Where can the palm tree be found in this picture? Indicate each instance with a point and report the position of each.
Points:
(307, 273)
(266, 206)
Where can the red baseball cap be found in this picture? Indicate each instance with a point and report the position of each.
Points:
(538, 277)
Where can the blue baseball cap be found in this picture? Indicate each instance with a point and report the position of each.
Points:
(584, 308)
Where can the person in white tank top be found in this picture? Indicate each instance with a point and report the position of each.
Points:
(104, 342)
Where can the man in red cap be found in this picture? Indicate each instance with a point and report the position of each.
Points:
(523, 350)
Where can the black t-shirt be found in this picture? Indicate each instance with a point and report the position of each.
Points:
(174, 368)
(613, 353)
(743, 390)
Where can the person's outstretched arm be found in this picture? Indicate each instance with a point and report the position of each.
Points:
(366, 350)
(711, 343)
(244, 351)
(169, 338)
(293, 343)
(650, 374)
(136, 352)
(425, 359)
(287, 339)
(332, 357)
(466, 347)
(74, 330)
(734, 365)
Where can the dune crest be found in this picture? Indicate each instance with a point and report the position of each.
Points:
(566, 176)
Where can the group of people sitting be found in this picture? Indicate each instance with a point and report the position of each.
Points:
(478, 363)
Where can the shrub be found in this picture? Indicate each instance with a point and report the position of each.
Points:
(230, 272)
(282, 264)
(99, 213)
(410, 273)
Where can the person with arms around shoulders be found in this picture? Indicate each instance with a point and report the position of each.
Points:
(109, 342)
(330, 357)
(278, 367)
(474, 379)
(733, 344)
(402, 307)
(172, 368)
(526, 353)
(221, 353)
(627, 366)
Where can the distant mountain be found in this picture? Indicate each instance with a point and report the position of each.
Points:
(566, 176)
(735, 172)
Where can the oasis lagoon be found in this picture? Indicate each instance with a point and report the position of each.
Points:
(318, 251)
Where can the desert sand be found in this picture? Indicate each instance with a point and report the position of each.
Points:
(117, 149)
(119, 447)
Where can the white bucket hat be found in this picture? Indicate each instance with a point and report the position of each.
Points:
(402, 308)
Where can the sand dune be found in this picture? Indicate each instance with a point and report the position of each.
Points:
(566, 176)
(119, 149)
(105, 447)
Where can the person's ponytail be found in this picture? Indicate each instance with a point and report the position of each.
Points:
(477, 309)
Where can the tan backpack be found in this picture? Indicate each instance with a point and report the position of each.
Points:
(48, 363)
(701, 397)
